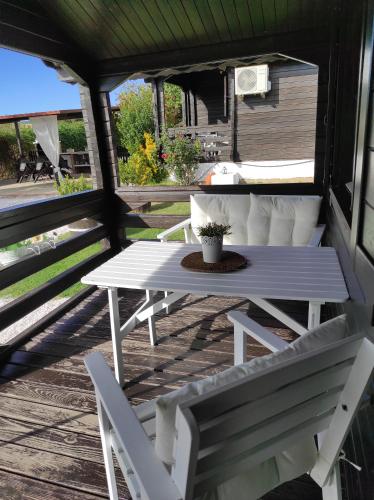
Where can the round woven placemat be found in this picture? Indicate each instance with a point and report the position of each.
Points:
(230, 261)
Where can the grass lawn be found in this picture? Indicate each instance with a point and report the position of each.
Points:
(178, 208)
(50, 272)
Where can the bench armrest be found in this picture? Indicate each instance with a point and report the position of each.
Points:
(185, 224)
(244, 325)
(315, 240)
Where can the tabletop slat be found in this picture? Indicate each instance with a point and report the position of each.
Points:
(300, 273)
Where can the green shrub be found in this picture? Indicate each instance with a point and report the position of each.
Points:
(181, 156)
(70, 186)
(173, 105)
(9, 149)
(72, 135)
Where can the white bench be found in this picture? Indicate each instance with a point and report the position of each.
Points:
(255, 220)
(223, 433)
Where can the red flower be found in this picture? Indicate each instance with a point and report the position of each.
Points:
(164, 156)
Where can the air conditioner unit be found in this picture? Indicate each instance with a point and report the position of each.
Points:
(252, 80)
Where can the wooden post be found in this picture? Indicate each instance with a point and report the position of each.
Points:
(184, 113)
(193, 114)
(158, 105)
(102, 151)
(18, 137)
(231, 111)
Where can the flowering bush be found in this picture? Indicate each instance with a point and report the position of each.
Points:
(181, 155)
(143, 166)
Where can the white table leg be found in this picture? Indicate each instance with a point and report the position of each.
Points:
(115, 328)
(314, 314)
(151, 320)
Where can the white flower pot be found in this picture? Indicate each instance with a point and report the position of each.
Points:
(212, 248)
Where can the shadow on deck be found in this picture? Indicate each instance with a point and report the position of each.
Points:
(50, 444)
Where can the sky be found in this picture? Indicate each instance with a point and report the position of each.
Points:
(27, 86)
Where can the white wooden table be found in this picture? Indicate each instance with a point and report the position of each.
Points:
(310, 274)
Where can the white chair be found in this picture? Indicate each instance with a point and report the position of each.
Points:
(255, 220)
(230, 439)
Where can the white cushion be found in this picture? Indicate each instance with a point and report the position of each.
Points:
(282, 220)
(222, 209)
(284, 467)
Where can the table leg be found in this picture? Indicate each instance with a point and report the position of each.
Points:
(314, 314)
(151, 320)
(115, 328)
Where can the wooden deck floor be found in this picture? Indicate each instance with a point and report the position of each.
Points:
(50, 447)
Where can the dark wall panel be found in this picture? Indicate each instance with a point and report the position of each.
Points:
(281, 126)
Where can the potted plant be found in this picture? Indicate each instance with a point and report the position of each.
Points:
(212, 240)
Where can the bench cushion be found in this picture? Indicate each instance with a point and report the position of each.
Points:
(222, 209)
(257, 220)
(284, 467)
(282, 220)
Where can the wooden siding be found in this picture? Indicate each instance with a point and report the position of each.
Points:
(50, 445)
(281, 126)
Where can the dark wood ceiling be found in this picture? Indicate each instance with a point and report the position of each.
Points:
(113, 39)
(108, 29)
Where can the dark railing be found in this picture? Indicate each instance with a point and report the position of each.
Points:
(26, 221)
(215, 140)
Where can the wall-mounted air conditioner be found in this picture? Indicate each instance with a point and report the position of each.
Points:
(252, 80)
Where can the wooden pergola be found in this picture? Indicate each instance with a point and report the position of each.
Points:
(102, 43)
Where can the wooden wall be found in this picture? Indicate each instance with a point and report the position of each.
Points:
(281, 126)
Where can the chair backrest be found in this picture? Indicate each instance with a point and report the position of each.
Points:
(22, 164)
(39, 164)
(230, 430)
(257, 220)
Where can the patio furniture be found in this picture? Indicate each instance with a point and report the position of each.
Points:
(310, 274)
(25, 169)
(240, 433)
(43, 168)
(255, 220)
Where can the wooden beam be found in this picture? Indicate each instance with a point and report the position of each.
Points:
(30, 31)
(232, 111)
(18, 137)
(296, 44)
(25, 304)
(101, 143)
(158, 102)
(23, 268)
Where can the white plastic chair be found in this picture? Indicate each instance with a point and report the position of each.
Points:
(233, 428)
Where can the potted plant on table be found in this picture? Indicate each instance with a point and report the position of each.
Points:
(212, 240)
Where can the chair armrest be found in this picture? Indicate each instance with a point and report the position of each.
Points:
(153, 478)
(182, 225)
(315, 240)
(243, 324)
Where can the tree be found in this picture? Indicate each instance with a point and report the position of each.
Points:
(135, 117)
(173, 105)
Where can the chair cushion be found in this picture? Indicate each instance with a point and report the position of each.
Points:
(282, 220)
(222, 209)
(284, 467)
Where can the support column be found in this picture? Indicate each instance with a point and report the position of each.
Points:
(18, 137)
(102, 151)
(231, 111)
(158, 105)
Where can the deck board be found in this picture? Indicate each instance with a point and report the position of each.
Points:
(49, 444)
